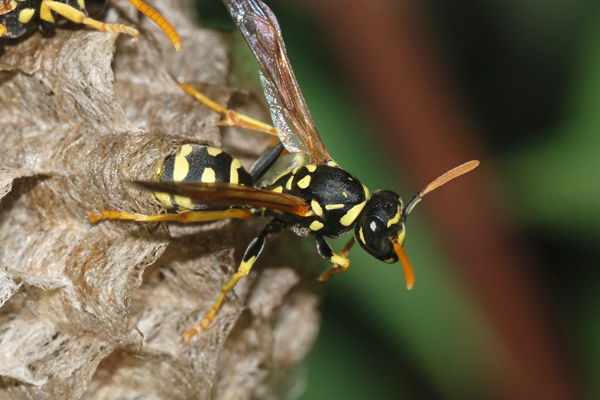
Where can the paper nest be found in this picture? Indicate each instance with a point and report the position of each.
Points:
(96, 311)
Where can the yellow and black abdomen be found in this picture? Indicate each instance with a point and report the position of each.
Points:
(199, 163)
(18, 17)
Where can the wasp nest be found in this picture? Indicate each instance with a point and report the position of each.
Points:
(96, 311)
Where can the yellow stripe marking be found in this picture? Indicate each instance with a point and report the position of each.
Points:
(304, 182)
(184, 202)
(25, 15)
(362, 237)
(351, 215)
(345, 194)
(208, 176)
(316, 207)
(234, 177)
(278, 189)
(159, 172)
(81, 4)
(213, 151)
(3, 30)
(395, 219)
(164, 198)
(185, 150)
(315, 226)
(366, 191)
(334, 206)
(288, 185)
(180, 168)
(332, 164)
(311, 168)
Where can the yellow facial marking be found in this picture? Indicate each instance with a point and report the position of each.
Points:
(81, 4)
(208, 176)
(181, 167)
(13, 4)
(316, 207)
(3, 30)
(334, 206)
(234, 177)
(304, 182)
(184, 202)
(402, 235)
(351, 215)
(332, 163)
(366, 191)
(278, 189)
(213, 151)
(311, 167)
(362, 237)
(395, 219)
(25, 15)
(315, 226)
(288, 185)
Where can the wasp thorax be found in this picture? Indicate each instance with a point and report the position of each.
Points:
(379, 222)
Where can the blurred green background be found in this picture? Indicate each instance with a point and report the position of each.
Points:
(528, 75)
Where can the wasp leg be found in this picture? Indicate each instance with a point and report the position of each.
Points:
(250, 256)
(78, 17)
(266, 161)
(231, 117)
(340, 261)
(3, 30)
(186, 216)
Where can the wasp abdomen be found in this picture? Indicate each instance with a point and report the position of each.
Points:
(199, 163)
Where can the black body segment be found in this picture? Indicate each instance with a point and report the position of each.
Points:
(336, 198)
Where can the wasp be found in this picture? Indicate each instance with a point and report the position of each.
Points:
(318, 198)
(17, 17)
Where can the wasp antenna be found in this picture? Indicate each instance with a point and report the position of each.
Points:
(447, 177)
(406, 265)
(160, 21)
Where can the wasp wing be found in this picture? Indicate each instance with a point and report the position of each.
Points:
(289, 111)
(228, 194)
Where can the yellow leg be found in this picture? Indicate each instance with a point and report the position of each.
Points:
(243, 270)
(3, 30)
(80, 18)
(186, 216)
(231, 117)
(340, 261)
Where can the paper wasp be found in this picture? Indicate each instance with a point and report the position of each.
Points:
(318, 199)
(17, 17)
